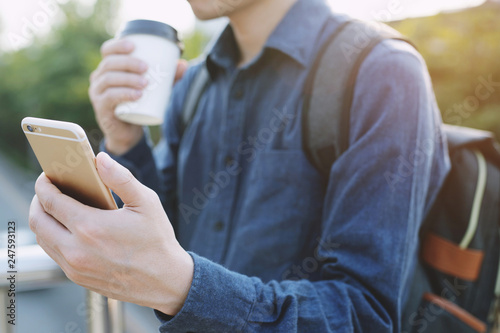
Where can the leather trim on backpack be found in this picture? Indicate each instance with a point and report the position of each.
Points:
(449, 258)
(456, 311)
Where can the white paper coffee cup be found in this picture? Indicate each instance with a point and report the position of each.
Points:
(158, 45)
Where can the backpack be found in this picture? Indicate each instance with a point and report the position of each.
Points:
(456, 285)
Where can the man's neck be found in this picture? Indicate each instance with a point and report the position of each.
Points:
(253, 24)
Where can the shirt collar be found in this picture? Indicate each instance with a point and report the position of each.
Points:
(299, 31)
(295, 36)
(225, 51)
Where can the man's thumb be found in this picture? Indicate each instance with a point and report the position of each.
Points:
(119, 179)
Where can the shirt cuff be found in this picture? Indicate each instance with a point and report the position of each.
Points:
(218, 301)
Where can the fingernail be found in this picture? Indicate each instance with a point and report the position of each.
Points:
(106, 161)
(144, 82)
(143, 66)
(137, 93)
(128, 45)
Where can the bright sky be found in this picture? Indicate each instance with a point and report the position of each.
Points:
(19, 18)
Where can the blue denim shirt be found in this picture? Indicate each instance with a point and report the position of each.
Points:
(276, 247)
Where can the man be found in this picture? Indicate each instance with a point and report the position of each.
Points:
(273, 248)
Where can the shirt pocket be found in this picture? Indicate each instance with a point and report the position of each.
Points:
(281, 208)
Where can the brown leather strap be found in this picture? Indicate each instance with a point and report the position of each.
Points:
(457, 311)
(449, 258)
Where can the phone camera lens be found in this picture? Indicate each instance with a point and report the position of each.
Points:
(30, 128)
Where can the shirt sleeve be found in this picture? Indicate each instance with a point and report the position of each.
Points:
(378, 193)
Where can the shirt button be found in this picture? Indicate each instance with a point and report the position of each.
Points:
(219, 226)
(238, 94)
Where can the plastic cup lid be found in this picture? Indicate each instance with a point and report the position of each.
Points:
(149, 27)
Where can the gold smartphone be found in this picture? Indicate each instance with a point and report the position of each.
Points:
(66, 157)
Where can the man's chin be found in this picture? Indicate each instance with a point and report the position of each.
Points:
(205, 16)
(211, 9)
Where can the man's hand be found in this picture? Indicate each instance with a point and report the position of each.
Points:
(119, 78)
(129, 254)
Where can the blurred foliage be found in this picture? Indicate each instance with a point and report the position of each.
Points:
(461, 50)
(194, 44)
(50, 78)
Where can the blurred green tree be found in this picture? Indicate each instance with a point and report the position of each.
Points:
(462, 51)
(50, 78)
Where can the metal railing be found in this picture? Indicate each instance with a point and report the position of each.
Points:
(36, 270)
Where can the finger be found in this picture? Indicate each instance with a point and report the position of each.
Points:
(111, 97)
(117, 46)
(61, 207)
(121, 181)
(182, 67)
(119, 79)
(120, 63)
(52, 233)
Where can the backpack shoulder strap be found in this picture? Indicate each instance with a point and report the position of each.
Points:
(329, 89)
(193, 96)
